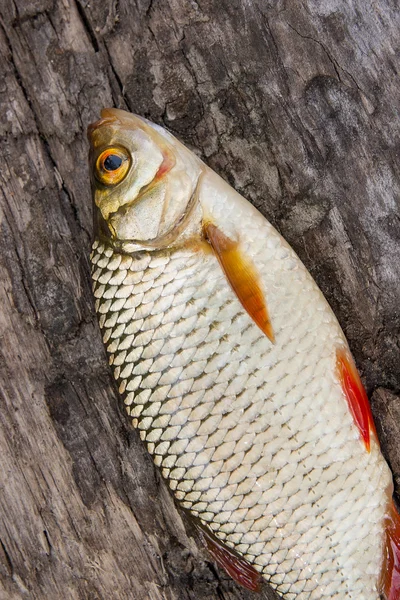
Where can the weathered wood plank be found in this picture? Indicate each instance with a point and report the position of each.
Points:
(296, 104)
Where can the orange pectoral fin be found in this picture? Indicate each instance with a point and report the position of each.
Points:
(356, 396)
(390, 580)
(237, 567)
(242, 277)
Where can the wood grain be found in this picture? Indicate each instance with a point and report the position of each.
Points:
(296, 104)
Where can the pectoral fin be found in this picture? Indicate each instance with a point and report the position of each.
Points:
(242, 276)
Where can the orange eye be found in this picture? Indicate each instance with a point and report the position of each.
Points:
(112, 165)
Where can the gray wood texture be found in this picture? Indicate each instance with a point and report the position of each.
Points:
(296, 104)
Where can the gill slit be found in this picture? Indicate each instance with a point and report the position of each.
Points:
(171, 234)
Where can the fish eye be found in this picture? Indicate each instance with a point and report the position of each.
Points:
(112, 162)
(112, 165)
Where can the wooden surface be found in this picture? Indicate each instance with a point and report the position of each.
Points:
(294, 103)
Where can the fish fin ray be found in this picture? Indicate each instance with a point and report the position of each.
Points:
(234, 565)
(242, 276)
(356, 396)
(390, 581)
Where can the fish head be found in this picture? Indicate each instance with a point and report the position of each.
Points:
(143, 180)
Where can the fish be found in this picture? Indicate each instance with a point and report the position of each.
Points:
(236, 374)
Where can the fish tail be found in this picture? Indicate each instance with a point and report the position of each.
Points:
(391, 568)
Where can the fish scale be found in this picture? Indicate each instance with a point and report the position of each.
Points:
(232, 436)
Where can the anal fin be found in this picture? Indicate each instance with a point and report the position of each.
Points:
(237, 567)
(242, 276)
(390, 581)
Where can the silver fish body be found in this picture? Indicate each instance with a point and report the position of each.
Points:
(254, 436)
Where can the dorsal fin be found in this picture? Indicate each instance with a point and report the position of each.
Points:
(242, 276)
(356, 396)
(237, 567)
(390, 583)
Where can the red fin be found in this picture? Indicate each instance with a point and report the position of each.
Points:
(390, 582)
(237, 567)
(242, 276)
(356, 396)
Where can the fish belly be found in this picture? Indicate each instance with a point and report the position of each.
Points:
(255, 439)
